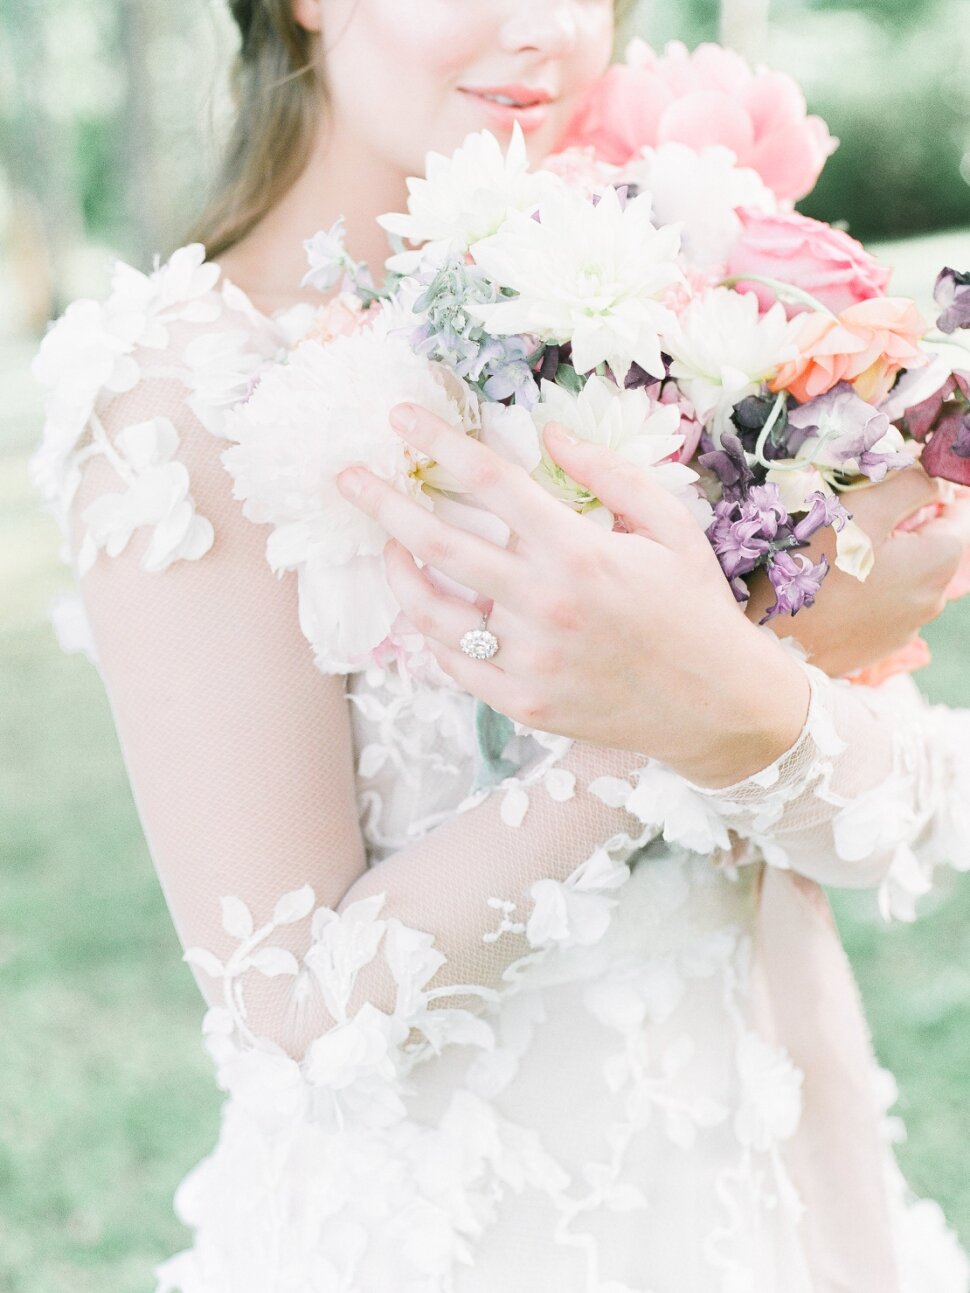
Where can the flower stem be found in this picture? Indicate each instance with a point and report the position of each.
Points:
(782, 290)
(766, 430)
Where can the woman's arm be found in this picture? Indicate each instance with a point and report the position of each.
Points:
(240, 757)
(842, 801)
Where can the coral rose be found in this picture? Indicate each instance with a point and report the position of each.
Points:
(836, 269)
(867, 344)
(710, 96)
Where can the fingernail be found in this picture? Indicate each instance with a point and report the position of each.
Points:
(350, 482)
(404, 417)
(560, 433)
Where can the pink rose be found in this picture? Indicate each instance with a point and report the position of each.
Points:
(834, 268)
(710, 96)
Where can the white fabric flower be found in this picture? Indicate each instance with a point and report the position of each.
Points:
(222, 368)
(664, 801)
(724, 350)
(88, 355)
(71, 625)
(576, 910)
(702, 192)
(594, 275)
(88, 350)
(157, 494)
(307, 420)
(771, 1093)
(465, 197)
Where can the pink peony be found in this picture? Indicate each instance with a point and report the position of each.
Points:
(867, 344)
(804, 253)
(710, 96)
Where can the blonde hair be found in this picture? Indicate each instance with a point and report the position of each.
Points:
(277, 91)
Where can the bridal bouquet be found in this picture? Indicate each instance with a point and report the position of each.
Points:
(651, 288)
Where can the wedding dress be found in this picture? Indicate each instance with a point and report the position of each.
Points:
(493, 1011)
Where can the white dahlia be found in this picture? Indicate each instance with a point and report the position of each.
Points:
(645, 433)
(724, 350)
(465, 197)
(591, 274)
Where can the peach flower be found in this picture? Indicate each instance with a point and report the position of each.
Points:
(867, 344)
(834, 268)
(338, 318)
(710, 96)
(915, 655)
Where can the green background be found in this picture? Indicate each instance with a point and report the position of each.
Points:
(106, 1098)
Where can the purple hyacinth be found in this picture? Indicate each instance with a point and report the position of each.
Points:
(796, 583)
(826, 510)
(952, 295)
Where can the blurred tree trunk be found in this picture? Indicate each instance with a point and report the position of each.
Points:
(143, 202)
(39, 160)
(744, 26)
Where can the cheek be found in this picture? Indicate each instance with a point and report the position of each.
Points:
(393, 67)
(403, 54)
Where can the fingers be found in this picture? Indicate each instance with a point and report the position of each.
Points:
(470, 560)
(488, 683)
(433, 613)
(646, 507)
(498, 484)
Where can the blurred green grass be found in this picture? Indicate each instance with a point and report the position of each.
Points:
(106, 1098)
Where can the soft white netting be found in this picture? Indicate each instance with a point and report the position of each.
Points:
(241, 758)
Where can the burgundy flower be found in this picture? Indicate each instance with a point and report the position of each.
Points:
(730, 465)
(947, 452)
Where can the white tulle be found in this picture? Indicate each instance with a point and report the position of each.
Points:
(541, 1017)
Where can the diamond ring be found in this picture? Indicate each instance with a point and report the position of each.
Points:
(480, 643)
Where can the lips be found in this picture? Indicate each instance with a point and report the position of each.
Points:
(510, 96)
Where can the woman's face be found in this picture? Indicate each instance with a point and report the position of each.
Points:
(406, 76)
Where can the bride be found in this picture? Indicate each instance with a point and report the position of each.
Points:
(480, 1026)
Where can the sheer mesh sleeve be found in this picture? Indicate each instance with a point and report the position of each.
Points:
(241, 761)
(872, 794)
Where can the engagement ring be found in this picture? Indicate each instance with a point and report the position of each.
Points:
(480, 644)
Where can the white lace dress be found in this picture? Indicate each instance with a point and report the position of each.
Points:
(494, 1012)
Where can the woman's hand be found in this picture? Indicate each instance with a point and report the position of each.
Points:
(853, 625)
(629, 640)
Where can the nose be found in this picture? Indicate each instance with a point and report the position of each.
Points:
(540, 26)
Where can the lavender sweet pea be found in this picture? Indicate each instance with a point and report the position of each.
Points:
(952, 295)
(842, 431)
